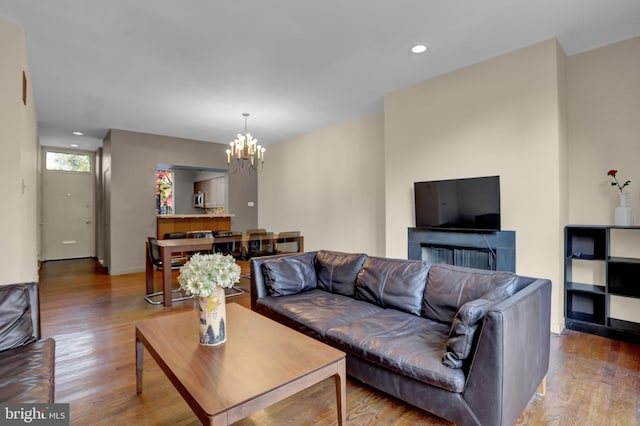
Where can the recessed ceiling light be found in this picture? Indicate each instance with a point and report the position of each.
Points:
(78, 133)
(74, 145)
(419, 48)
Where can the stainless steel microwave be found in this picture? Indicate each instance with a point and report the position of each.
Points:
(198, 199)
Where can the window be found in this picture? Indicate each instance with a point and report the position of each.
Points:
(68, 162)
(164, 191)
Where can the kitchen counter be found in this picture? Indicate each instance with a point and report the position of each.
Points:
(189, 216)
(180, 223)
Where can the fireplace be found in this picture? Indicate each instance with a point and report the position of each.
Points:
(494, 251)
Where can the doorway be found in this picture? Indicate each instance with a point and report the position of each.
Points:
(67, 205)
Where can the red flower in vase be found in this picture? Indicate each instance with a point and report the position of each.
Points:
(615, 182)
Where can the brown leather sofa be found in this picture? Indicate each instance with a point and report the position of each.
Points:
(26, 360)
(468, 345)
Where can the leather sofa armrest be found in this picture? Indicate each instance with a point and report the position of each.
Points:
(511, 356)
(33, 312)
(34, 300)
(258, 287)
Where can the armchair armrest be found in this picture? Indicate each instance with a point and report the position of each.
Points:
(511, 356)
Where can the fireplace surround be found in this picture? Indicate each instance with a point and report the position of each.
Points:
(491, 250)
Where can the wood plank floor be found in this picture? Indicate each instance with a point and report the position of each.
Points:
(592, 380)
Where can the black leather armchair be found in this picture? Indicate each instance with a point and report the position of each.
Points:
(27, 361)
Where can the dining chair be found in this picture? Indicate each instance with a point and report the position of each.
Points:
(288, 242)
(200, 234)
(231, 244)
(256, 231)
(260, 244)
(153, 251)
(175, 235)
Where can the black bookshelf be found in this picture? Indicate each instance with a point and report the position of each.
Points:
(587, 305)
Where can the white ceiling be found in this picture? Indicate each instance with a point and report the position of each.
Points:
(190, 68)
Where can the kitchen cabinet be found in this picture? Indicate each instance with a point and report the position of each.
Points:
(214, 191)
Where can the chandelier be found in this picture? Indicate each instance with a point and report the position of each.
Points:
(245, 153)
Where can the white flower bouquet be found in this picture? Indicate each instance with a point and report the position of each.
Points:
(204, 272)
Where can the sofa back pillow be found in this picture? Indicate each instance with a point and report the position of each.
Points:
(463, 330)
(337, 272)
(449, 287)
(393, 283)
(16, 328)
(289, 274)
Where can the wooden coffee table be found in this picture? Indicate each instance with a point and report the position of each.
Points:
(262, 362)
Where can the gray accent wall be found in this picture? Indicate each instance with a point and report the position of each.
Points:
(131, 158)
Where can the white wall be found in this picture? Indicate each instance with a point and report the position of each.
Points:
(500, 117)
(18, 163)
(329, 185)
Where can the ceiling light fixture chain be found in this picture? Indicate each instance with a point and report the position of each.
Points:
(245, 153)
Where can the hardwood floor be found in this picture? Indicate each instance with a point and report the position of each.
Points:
(591, 381)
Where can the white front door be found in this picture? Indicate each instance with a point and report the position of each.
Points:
(67, 215)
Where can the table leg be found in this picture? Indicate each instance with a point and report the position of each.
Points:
(166, 275)
(139, 354)
(148, 270)
(341, 392)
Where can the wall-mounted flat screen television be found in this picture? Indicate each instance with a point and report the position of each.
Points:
(461, 204)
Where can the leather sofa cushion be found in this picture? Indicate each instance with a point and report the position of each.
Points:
(393, 283)
(404, 343)
(289, 275)
(315, 311)
(337, 272)
(463, 330)
(27, 373)
(449, 287)
(16, 327)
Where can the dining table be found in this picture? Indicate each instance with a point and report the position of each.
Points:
(169, 247)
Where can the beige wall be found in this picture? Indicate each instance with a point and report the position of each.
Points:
(506, 116)
(329, 185)
(500, 117)
(603, 87)
(132, 158)
(18, 163)
(551, 126)
(604, 128)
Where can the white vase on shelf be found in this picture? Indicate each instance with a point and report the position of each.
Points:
(623, 214)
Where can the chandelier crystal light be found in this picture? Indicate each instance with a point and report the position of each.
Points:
(245, 153)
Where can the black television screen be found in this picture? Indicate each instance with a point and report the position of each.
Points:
(468, 204)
